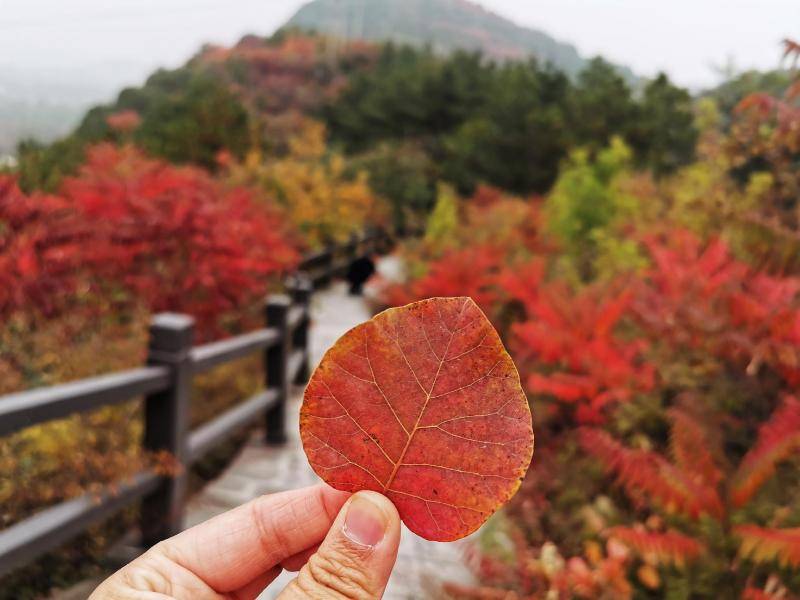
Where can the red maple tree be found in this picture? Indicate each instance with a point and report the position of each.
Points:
(140, 230)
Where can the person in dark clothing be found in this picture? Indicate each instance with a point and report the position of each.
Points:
(359, 272)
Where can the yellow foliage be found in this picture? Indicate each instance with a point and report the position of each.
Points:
(443, 221)
(649, 577)
(48, 463)
(594, 207)
(321, 198)
(58, 460)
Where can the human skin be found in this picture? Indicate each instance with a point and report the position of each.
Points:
(343, 546)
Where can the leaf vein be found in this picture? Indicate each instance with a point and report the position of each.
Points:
(327, 445)
(469, 385)
(455, 470)
(377, 445)
(456, 506)
(471, 439)
(427, 399)
(375, 381)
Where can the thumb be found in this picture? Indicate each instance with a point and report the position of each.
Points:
(357, 556)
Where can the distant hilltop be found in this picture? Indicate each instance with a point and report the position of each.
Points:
(445, 25)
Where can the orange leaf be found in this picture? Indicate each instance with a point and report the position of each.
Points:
(669, 547)
(423, 404)
(761, 544)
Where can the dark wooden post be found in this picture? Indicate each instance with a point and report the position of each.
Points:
(301, 288)
(166, 416)
(276, 359)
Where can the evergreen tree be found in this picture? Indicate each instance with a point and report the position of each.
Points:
(664, 136)
(601, 106)
(518, 139)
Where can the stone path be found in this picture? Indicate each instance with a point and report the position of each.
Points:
(422, 566)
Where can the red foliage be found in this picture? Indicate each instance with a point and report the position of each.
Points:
(124, 121)
(698, 297)
(541, 572)
(690, 448)
(694, 486)
(668, 547)
(469, 272)
(609, 578)
(765, 315)
(569, 340)
(682, 299)
(762, 544)
(279, 80)
(39, 250)
(778, 439)
(765, 137)
(172, 238)
(648, 477)
(486, 196)
(522, 283)
(423, 404)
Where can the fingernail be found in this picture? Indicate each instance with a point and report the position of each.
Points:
(365, 522)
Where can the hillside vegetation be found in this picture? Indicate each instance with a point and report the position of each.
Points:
(655, 321)
(405, 117)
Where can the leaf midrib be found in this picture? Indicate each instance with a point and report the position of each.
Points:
(428, 395)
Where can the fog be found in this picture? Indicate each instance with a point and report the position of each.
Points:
(110, 43)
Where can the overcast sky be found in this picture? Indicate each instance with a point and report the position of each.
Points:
(686, 38)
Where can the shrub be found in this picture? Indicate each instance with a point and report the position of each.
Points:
(134, 230)
(666, 428)
(80, 274)
(319, 198)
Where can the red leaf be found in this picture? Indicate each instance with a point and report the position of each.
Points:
(778, 439)
(668, 547)
(646, 476)
(690, 448)
(423, 404)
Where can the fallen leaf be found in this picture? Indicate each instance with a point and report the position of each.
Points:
(423, 404)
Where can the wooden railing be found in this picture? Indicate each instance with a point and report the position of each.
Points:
(165, 383)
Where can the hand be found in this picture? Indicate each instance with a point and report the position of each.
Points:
(344, 547)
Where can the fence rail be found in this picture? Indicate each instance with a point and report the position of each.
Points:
(165, 384)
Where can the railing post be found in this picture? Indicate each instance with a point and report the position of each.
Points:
(301, 288)
(276, 358)
(166, 416)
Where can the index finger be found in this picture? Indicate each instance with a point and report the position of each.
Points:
(234, 548)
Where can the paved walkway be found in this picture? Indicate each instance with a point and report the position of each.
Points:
(422, 565)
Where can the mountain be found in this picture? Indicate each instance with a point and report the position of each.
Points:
(445, 25)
